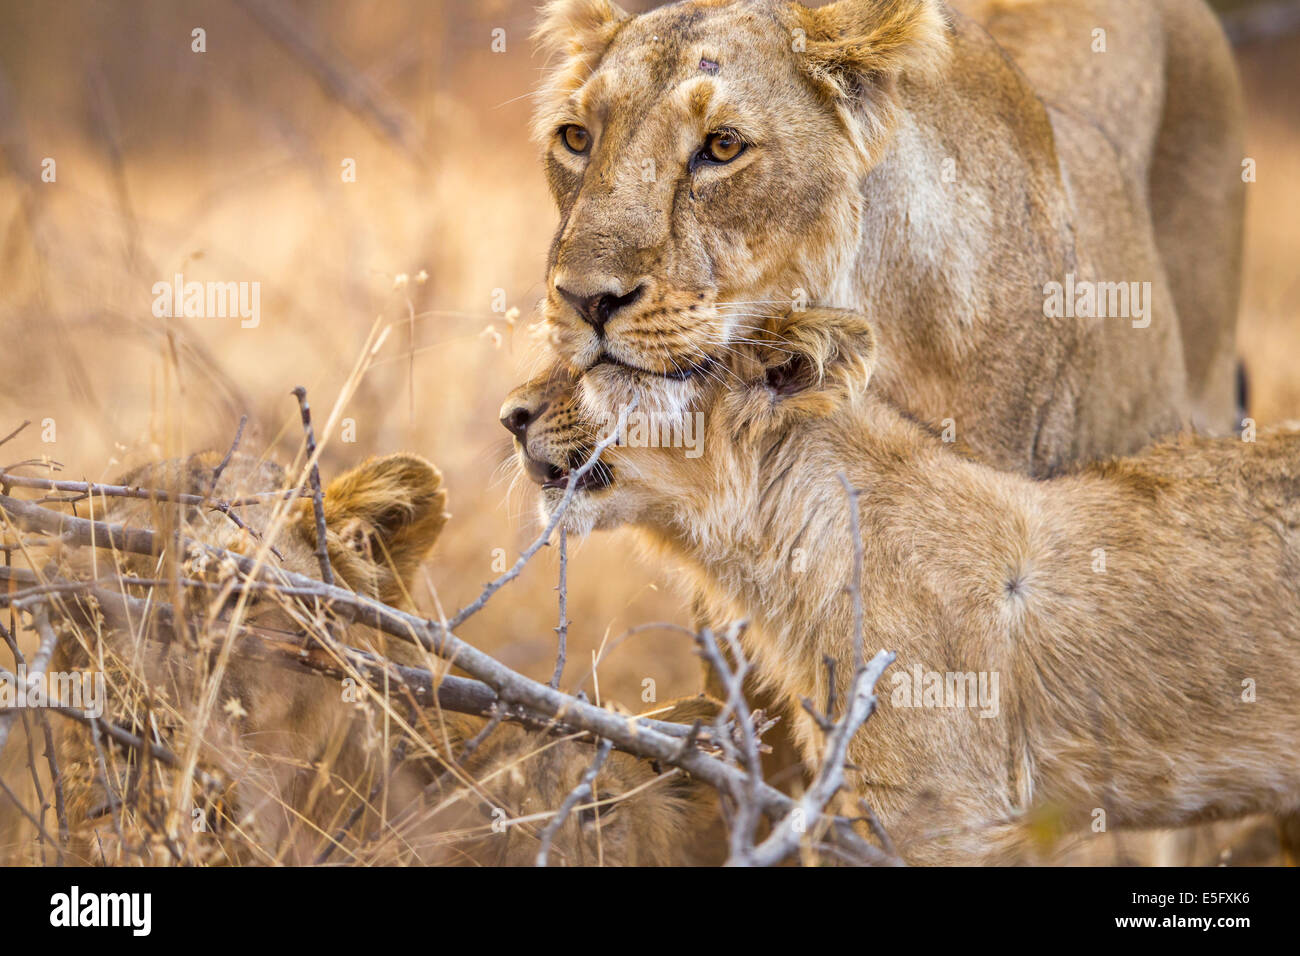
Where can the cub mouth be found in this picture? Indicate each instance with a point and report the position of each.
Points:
(677, 375)
(549, 475)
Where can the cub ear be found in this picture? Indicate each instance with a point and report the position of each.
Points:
(388, 511)
(854, 46)
(818, 351)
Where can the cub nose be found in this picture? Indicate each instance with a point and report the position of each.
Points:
(598, 309)
(517, 415)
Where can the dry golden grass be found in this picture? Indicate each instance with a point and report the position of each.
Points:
(226, 166)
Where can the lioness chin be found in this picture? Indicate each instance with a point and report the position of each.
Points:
(1124, 638)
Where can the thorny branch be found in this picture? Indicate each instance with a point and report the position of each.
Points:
(583, 791)
(562, 629)
(317, 496)
(557, 515)
(492, 689)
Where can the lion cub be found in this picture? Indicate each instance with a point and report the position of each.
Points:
(293, 748)
(297, 752)
(1118, 647)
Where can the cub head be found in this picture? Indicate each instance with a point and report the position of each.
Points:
(706, 158)
(801, 374)
(277, 734)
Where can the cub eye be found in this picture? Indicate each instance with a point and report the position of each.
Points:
(722, 147)
(587, 816)
(576, 138)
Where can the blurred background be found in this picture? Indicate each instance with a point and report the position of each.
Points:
(232, 164)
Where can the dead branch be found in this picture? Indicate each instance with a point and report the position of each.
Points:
(493, 690)
(570, 490)
(637, 736)
(234, 446)
(578, 794)
(787, 834)
(562, 629)
(317, 496)
(290, 649)
(80, 490)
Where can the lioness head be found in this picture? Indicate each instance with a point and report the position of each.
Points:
(798, 373)
(706, 158)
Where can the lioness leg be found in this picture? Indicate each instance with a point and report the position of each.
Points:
(1198, 200)
(1288, 831)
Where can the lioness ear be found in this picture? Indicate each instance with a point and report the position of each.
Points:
(854, 46)
(819, 350)
(578, 27)
(572, 35)
(382, 518)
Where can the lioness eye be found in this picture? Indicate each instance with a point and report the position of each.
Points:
(576, 139)
(722, 147)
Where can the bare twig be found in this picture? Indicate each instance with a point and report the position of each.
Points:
(570, 491)
(745, 822)
(860, 704)
(581, 792)
(877, 828)
(562, 630)
(317, 496)
(81, 490)
(234, 446)
(35, 673)
(285, 648)
(339, 78)
(56, 782)
(635, 735)
(15, 432)
(786, 834)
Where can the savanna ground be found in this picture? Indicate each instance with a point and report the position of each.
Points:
(227, 165)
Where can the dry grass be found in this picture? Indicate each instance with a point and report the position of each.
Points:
(226, 166)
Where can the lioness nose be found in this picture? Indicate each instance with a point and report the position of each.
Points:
(598, 309)
(517, 416)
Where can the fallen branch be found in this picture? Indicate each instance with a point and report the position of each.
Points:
(578, 794)
(634, 735)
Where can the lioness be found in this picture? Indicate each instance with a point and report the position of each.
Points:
(1038, 201)
(1116, 646)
